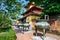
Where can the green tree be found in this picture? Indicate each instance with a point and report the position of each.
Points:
(10, 10)
(4, 20)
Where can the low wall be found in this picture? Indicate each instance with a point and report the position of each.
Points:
(55, 26)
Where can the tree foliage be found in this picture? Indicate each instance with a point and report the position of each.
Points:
(10, 9)
(50, 6)
(4, 20)
(12, 5)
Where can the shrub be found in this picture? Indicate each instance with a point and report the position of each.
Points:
(9, 35)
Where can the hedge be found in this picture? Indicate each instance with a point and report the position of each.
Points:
(9, 35)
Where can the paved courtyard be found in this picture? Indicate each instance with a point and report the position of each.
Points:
(28, 36)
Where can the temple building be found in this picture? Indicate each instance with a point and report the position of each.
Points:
(33, 12)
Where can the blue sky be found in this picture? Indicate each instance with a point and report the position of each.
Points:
(23, 2)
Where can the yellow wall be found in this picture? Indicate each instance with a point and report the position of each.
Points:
(29, 19)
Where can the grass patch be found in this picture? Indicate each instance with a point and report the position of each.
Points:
(8, 35)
